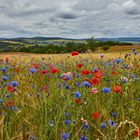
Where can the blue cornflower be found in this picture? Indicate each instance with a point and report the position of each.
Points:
(14, 83)
(125, 66)
(114, 114)
(119, 60)
(59, 77)
(86, 84)
(67, 122)
(13, 108)
(77, 94)
(4, 78)
(138, 99)
(59, 86)
(68, 77)
(33, 70)
(32, 138)
(38, 95)
(1, 101)
(66, 114)
(111, 123)
(133, 76)
(3, 69)
(125, 80)
(133, 49)
(106, 90)
(85, 126)
(135, 53)
(64, 83)
(67, 87)
(78, 75)
(8, 96)
(103, 125)
(33, 86)
(65, 136)
(83, 138)
(77, 84)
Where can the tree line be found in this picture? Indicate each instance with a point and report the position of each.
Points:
(82, 47)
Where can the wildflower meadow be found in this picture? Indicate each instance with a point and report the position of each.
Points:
(70, 96)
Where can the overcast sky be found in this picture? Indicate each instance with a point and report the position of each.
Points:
(69, 18)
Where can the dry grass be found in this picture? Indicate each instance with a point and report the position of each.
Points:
(60, 57)
(124, 48)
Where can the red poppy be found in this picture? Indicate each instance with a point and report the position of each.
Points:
(74, 53)
(96, 115)
(136, 132)
(10, 88)
(113, 68)
(64, 78)
(117, 89)
(94, 81)
(35, 66)
(98, 74)
(53, 70)
(85, 72)
(113, 73)
(44, 71)
(77, 101)
(9, 103)
(7, 59)
(92, 72)
(79, 65)
(17, 69)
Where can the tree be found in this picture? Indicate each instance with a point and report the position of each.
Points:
(92, 44)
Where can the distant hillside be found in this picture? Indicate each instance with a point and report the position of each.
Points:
(120, 39)
(56, 45)
(123, 39)
(39, 38)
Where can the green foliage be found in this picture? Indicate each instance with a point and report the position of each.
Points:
(105, 48)
(92, 44)
(56, 48)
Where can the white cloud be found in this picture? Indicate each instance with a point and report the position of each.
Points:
(131, 7)
(74, 18)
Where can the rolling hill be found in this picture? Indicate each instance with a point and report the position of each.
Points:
(119, 39)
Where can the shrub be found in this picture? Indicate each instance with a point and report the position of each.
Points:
(106, 48)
